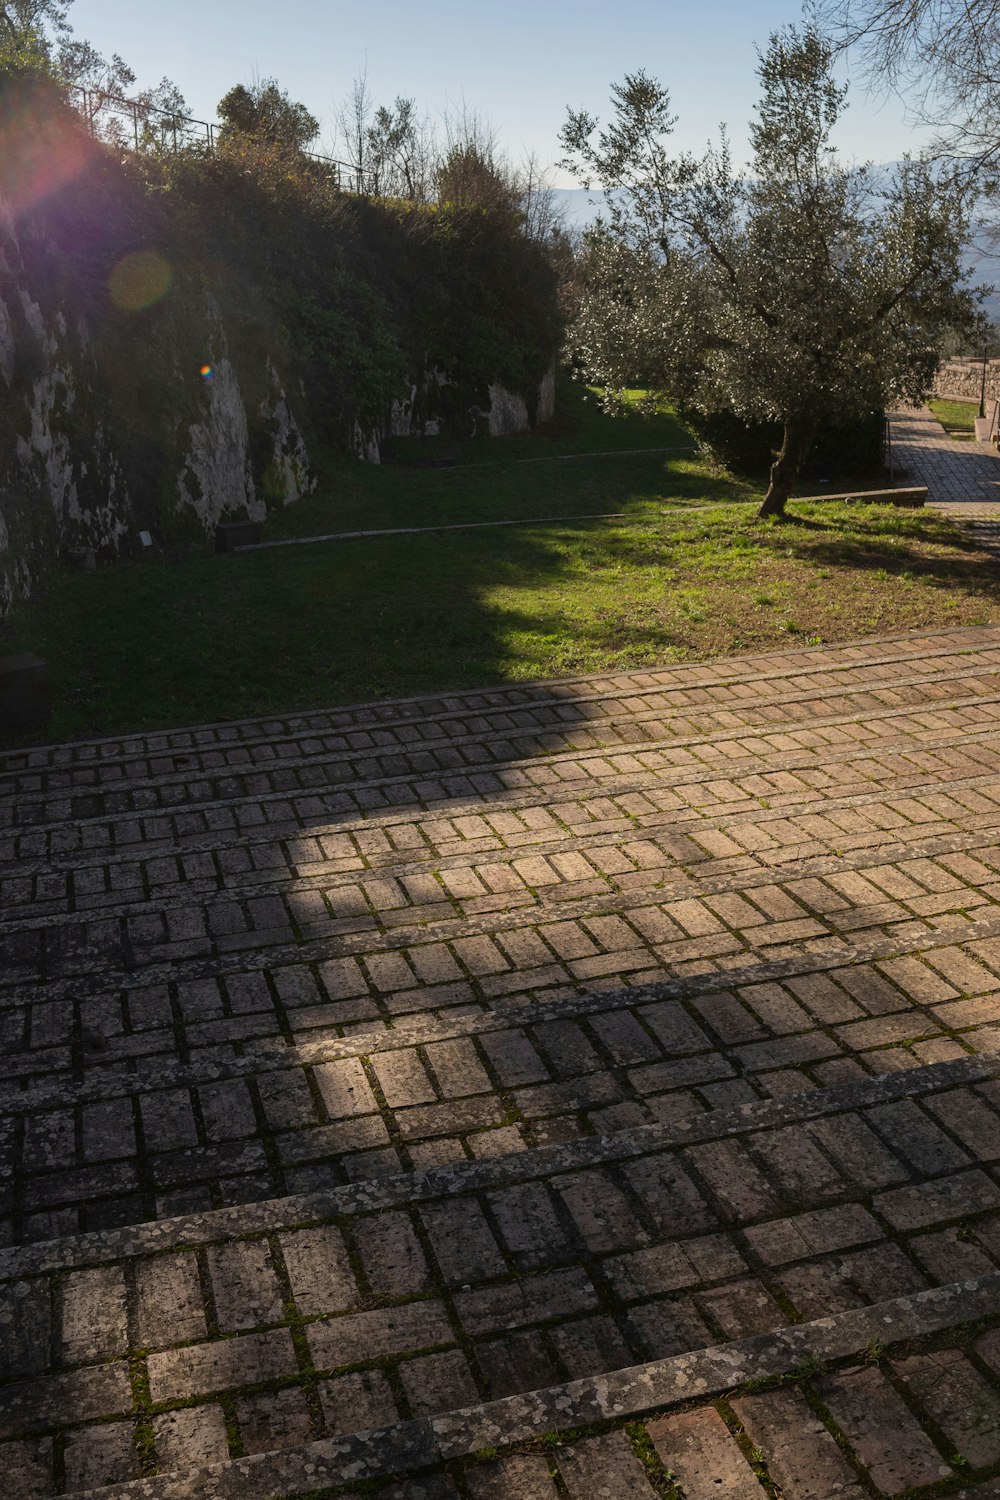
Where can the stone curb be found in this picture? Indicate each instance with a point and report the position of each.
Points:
(105, 1246)
(539, 732)
(833, 948)
(633, 1392)
(971, 635)
(688, 820)
(483, 802)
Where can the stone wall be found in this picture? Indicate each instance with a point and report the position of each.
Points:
(418, 413)
(153, 379)
(962, 380)
(78, 473)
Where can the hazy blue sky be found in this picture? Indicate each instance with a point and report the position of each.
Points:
(521, 62)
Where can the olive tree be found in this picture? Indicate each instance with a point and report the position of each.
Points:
(799, 292)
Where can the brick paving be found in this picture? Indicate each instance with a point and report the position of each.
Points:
(365, 1068)
(962, 478)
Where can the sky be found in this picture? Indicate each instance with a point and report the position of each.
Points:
(519, 62)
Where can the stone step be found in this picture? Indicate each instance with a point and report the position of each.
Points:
(215, 1111)
(452, 1305)
(125, 759)
(698, 910)
(767, 820)
(151, 854)
(804, 1412)
(400, 774)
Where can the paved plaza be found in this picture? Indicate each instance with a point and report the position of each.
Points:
(572, 1090)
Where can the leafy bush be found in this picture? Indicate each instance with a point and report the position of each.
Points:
(845, 450)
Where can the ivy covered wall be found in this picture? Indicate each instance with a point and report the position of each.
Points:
(182, 335)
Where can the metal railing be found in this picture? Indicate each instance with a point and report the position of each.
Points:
(139, 121)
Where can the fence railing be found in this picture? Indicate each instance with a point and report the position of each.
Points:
(133, 122)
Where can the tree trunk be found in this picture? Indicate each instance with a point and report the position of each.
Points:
(795, 445)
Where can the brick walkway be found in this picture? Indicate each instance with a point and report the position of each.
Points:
(388, 1086)
(962, 478)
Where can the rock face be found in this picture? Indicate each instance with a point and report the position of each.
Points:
(61, 484)
(79, 469)
(143, 394)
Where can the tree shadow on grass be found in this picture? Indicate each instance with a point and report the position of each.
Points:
(305, 628)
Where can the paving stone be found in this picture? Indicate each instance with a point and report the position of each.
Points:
(529, 1225)
(802, 1457)
(937, 1201)
(950, 1256)
(359, 1337)
(96, 1456)
(554, 1294)
(600, 1212)
(25, 1322)
(190, 1437)
(345, 1088)
(94, 1319)
(590, 1346)
(359, 1400)
(518, 1362)
(897, 1454)
(245, 1285)
(27, 1469)
(701, 1453)
(604, 1468)
(729, 1173)
(794, 1165)
(523, 1476)
(965, 1407)
(391, 1254)
(668, 1196)
(170, 1307)
(462, 1241)
(201, 1369)
(671, 1326)
(917, 1139)
(741, 1309)
(858, 1152)
(438, 1382)
(277, 1419)
(319, 1270)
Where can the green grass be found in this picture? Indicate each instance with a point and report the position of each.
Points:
(203, 638)
(955, 416)
(160, 643)
(584, 464)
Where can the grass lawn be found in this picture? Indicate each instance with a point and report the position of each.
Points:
(161, 644)
(956, 417)
(164, 643)
(585, 464)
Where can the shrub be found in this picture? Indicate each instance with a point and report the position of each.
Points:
(845, 449)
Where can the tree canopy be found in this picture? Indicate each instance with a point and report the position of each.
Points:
(265, 111)
(943, 55)
(801, 291)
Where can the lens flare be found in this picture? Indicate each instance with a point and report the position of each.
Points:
(43, 146)
(207, 372)
(140, 280)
